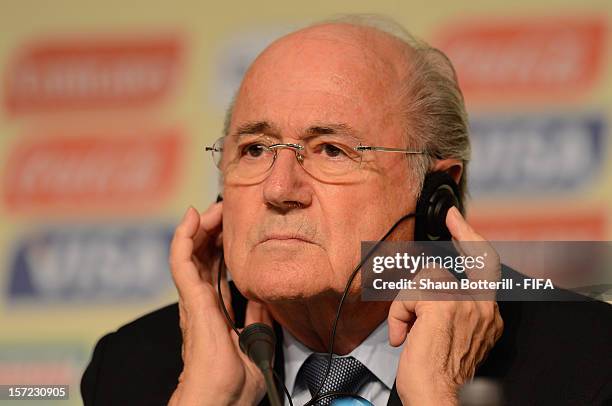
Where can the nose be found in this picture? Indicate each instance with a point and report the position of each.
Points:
(287, 187)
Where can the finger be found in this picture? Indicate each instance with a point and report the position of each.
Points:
(181, 249)
(491, 329)
(185, 268)
(210, 224)
(459, 228)
(205, 249)
(444, 285)
(469, 243)
(402, 316)
(257, 313)
(186, 229)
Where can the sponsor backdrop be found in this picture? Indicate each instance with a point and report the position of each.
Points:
(106, 108)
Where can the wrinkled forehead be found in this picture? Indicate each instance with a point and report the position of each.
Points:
(329, 74)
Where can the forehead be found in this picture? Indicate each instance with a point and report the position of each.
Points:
(334, 75)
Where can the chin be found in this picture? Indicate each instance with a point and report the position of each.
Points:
(282, 275)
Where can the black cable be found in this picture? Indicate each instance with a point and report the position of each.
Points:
(229, 320)
(284, 388)
(316, 396)
(333, 394)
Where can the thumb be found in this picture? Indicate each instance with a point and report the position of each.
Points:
(402, 316)
(459, 228)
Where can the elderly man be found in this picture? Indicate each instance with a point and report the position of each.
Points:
(299, 198)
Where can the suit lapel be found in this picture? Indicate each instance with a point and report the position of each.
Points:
(394, 399)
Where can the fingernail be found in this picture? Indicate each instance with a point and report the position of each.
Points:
(187, 213)
(455, 211)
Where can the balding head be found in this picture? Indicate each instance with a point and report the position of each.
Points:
(345, 53)
(360, 67)
(421, 79)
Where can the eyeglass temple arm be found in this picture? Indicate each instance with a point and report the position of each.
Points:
(385, 149)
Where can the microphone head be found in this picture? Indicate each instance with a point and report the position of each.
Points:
(481, 392)
(258, 342)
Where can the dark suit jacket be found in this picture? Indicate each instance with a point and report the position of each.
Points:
(551, 353)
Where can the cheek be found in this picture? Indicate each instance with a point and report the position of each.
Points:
(364, 213)
(351, 215)
(238, 219)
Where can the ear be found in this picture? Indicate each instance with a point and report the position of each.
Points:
(453, 167)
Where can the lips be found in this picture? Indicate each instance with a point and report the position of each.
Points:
(285, 230)
(286, 237)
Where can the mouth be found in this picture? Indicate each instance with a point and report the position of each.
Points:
(286, 239)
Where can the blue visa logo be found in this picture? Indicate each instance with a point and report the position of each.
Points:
(92, 264)
(545, 154)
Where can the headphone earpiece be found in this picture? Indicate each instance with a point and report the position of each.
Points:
(439, 194)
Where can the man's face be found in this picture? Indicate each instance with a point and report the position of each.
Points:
(292, 236)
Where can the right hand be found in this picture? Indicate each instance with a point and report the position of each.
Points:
(215, 370)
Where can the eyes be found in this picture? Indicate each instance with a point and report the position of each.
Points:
(320, 149)
(331, 150)
(325, 157)
(253, 150)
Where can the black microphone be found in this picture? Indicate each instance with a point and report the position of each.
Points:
(258, 342)
(481, 392)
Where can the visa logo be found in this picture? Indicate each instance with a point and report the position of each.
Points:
(543, 154)
(93, 264)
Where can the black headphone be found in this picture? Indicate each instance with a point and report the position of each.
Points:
(440, 192)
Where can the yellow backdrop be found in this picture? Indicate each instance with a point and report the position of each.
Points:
(106, 108)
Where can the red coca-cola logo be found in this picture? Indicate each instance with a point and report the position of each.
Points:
(92, 172)
(64, 75)
(542, 58)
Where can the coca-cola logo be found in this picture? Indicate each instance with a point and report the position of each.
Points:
(92, 171)
(518, 58)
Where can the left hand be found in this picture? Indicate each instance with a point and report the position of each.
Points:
(446, 340)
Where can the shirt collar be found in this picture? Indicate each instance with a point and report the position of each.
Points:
(374, 352)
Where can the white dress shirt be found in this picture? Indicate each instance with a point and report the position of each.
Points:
(374, 352)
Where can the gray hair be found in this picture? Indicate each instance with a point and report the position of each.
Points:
(433, 105)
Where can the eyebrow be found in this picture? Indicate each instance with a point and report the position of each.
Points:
(264, 127)
(331, 129)
(256, 127)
